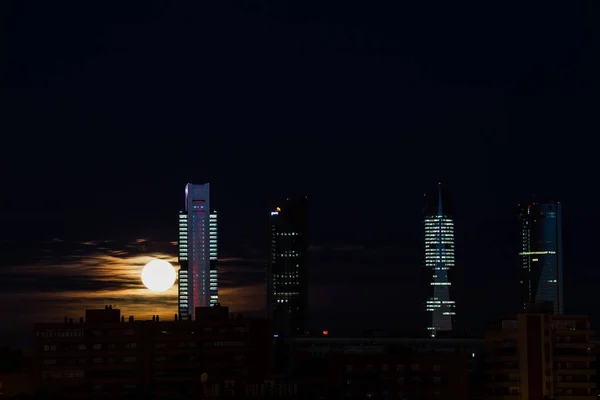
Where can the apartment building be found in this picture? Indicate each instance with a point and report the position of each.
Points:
(104, 354)
(536, 355)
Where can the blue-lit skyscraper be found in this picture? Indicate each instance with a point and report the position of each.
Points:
(198, 252)
(540, 254)
(439, 262)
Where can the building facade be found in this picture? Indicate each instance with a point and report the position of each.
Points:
(540, 254)
(439, 262)
(540, 356)
(107, 356)
(198, 252)
(213, 236)
(287, 273)
(385, 368)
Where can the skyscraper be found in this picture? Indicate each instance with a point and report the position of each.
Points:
(198, 275)
(540, 254)
(287, 273)
(439, 262)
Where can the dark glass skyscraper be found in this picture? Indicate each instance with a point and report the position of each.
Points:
(287, 274)
(439, 261)
(540, 254)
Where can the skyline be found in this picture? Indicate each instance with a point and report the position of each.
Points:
(341, 102)
(241, 294)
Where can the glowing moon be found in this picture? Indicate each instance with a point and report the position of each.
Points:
(158, 275)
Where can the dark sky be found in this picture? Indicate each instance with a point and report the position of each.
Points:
(110, 108)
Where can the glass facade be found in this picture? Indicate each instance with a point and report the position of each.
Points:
(439, 263)
(183, 305)
(197, 251)
(540, 254)
(214, 257)
(287, 275)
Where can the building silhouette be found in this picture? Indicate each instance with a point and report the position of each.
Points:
(540, 355)
(287, 274)
(540, 254)
(108, 356)
(198, 252)
(439, 262)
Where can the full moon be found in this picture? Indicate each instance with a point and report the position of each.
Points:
(158, 275)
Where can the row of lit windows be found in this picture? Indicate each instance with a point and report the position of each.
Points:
(96, 346)
(399, 367)
(435, 257)
(436, 263)
(62, 374)
(61, 333)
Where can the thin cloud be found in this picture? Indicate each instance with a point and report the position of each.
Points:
(91, 276)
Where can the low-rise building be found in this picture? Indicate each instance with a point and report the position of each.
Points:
(105, 355)
(537, 356)
(386, 368)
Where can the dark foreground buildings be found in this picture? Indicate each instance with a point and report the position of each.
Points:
(388, 368)
(541, 355)
(219, 354)
(107, 356)
(287, 273)
(540, 254)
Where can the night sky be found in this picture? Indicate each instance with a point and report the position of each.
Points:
(109, 109)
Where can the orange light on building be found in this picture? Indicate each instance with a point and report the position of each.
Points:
(325, 333)
(278, 209)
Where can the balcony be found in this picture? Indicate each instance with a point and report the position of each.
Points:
(574, 357)
(569, 332)
(573, 345)
(576, 371)
(576, 385)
